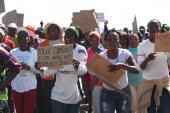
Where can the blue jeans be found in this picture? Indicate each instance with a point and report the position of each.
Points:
(112, 100)
(164, 102)
(5, 108)
(58, 107)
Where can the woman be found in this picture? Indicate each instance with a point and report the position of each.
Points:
(25, 83)
(65, 94)
(110, 100)
(93, 85)
(54, 37)
(135, 80)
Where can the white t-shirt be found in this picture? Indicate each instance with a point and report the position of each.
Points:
(123, 55)
(157, 68)
(25, 83)
(66, 89)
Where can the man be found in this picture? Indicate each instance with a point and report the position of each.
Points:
(141, 33)
(155, 88)
(12, 31)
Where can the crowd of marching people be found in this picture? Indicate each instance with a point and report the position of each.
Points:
(27, 87)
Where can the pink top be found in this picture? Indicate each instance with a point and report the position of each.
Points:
(91, 53)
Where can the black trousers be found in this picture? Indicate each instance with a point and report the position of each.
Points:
(44, 96)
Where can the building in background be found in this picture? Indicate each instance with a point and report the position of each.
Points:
(135, 25)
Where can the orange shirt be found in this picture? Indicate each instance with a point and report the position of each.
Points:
(45, 43)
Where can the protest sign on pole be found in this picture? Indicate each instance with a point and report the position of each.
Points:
(162, 42)
(55, 56)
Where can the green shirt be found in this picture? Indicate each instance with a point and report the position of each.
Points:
(3, 94)
(134, 78)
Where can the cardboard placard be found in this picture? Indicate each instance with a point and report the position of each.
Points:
(55, 56)
(162, 42)
(99, 67)
(13, 16)
(86, 19)
(20, 19)
(100, 17)
(10, 17)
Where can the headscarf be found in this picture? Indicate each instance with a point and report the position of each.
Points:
(94, 33)
(32, 31)
(165, 28)
(75, 30)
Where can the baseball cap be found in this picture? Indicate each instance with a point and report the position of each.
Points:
(13, 25)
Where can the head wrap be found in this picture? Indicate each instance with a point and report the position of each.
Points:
(75, 30)
(94, 33)
(165, 27)
(32, 31)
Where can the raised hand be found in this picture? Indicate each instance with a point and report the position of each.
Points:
(151, 57)
(25, 66)
(76, 63)
(116, 67)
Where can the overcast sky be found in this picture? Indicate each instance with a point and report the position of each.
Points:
(119, 13)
